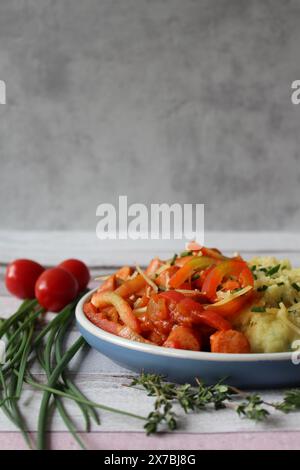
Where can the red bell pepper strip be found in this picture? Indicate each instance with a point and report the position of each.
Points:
(99, 319)
(123, 308)
(172, 296)
(198, 315)
(237, 268)
(197, 263)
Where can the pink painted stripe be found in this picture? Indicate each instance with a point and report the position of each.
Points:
(136, 441)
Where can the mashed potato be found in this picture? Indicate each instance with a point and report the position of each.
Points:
(273, 323)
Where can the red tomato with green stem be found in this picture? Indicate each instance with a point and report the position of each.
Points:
(21, 276)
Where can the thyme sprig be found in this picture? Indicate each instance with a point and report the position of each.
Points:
(188, 397)
(290, 402)
(252, 408)
(202, 397)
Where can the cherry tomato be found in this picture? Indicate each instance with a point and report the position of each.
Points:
(56, 288)
(21, 276)
(79, 270)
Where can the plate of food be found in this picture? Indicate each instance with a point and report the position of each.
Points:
(200, 314)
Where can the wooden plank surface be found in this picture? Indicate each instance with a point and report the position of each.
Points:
(51, 247)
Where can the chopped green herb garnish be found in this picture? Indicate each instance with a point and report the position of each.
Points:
(195, 277)
(253, 268)
(263, 270)
(295, 286)
(273, 270)
(186, 253)
(280, 283)
(173, 259)
(262, 288)
(258, 309)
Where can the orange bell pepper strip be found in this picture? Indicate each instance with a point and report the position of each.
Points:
(237, 268)
(164, 277)
(123, 308)
(123, 273)
(131, 286)
(153, 266)
(230, 341)
(234, 307)
(108, 285)
(197, 263)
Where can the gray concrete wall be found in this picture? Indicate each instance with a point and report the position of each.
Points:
(162, 100)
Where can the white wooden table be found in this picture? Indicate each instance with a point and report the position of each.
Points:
(103, 381)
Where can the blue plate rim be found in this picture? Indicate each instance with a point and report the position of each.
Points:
(94, 330)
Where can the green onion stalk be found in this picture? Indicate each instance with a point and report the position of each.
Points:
(27, 345)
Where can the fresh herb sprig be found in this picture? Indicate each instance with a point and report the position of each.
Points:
(201, 397)
(189, 398)
(290, 402)
(252, 408)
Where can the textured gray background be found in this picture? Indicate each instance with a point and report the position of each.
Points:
(162, 100)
